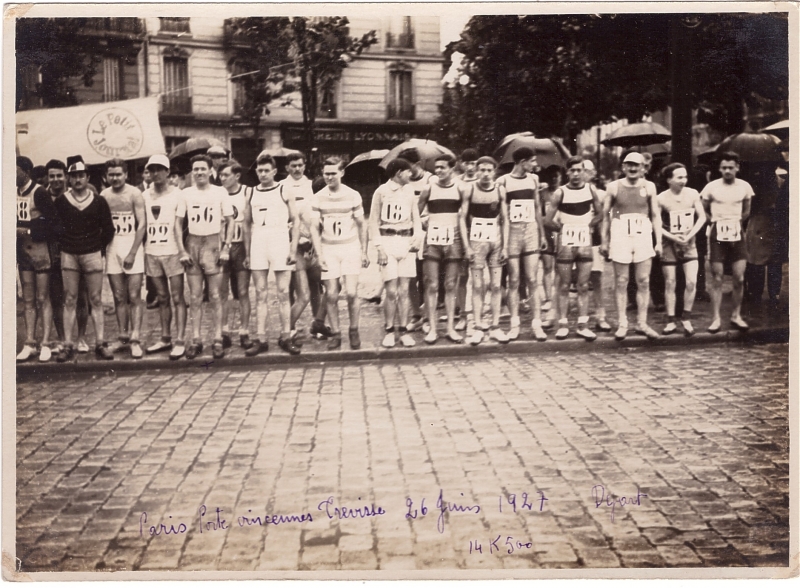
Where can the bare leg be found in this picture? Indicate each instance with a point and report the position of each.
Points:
(738, 288)
(332, 303)
(29, 300)
(584, 270)
(214, 283)
(690, 269)
(164, 308)
(530, 264)
(302, 295)
(119, 289)
(196, 282)
(495, 277)
(353, 301)
(564, 271)
(136, 307)
(43, 307)
(282, 281)
(717, 269)
(669, 288)
(94, 288)
(224, 297)
(513, 289)
(390, 303)
(452, 285)
(430, 269)
(403, 303)
(642, 290)
(262, 308)
(176, 290)
(243, 287)
(71, 281)
(621, 271)
(478, 293)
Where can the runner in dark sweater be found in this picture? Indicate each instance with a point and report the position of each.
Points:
(88, 229)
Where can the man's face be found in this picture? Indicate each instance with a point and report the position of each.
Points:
(575, 174)
(631, 170)
(403, 176)
(116, 177)
(147, 176)
(175, 180)
(443, 170)
(228, 178)
(485, 173)
(265, 173)
(78, 180)
(469, 168)
(296, 168)
(217, 159)
(728, 169)
(528, 164)
(332, 175)
(200, 173)
(678, 180)
(158, 175)
(56, 180)
(22, 177)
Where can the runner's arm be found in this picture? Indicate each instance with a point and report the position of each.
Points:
(549, 221)
(606, 232)
(416, 221)
(501, 191)
(106, 223)
(462, 219)
(424, 195)
(363, 236)
(746, 209)
(655, 219)
(537, 203)
(374, 213)
(294, 220)
(700, 220)
(141, 225)
(247, 226)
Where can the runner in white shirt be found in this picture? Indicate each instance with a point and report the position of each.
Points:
(236, 276)
(206, 207)
(125, 254)
(164, 254)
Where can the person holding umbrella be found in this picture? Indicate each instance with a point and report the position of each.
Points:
(727, 202)
(486, 214)
(631, 217)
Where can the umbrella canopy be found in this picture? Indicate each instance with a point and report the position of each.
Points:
(779, 129)
(194, 146)
(707, 156)
(753, 147)
(278, 152)
(548, 151)
(643, 133)
(428, 151)
(365, 167)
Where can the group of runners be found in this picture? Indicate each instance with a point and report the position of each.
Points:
(447, 229)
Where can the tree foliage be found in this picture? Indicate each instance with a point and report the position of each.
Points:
(54, 49)
(557, 74)
(303, 54)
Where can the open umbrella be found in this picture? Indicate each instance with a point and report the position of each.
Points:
(753, 147)
(779, 129)
(194, 146)
(548, 151)
(707, 157)
(278, 152)
(428, 151)
(642, 133)
(365, 167)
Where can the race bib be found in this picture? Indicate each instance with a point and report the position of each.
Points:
(238, 233)
(395, 212)
(521, 211)
(576, 236)
(681, 221)
(201, 219)
(483, 229)
(441, 235)
(23, 209)
(729, 230)
(333, 226)
(634, 224)
(123, 223)
(157, 233)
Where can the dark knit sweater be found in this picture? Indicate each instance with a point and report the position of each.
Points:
(87, 230)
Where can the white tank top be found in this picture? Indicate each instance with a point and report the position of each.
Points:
(160, 212)
(270, 211)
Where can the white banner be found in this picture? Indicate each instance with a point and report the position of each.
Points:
(127, 129)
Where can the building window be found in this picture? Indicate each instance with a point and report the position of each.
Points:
(400, 105)
(400, 34)
(326, 105)
(112, 79)
(177, 95)
(239, 93)
(175, 25)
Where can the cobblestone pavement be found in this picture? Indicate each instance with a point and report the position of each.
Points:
(688, 462)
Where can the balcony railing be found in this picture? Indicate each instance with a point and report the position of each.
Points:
(401, 41)
(121, 25)
(176, 104)
(401, 112)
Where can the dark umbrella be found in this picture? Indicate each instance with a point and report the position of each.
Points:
(707, 157)
(194, 146)
(548, 151)
(779, 129)
(427, 150)
(643, 133)
(279, 152)
(365, 167)
(753, 147)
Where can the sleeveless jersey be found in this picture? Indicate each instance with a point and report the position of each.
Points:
(238, 200)
(396, 204)
(631, 199)
(26, 208)
(677, 211)
(576, 206)
(521, 196)
(443, 205)
(488, 205)
(121, 206)
(161, 211)
(337, 212)
(304, 199)
(270, 212)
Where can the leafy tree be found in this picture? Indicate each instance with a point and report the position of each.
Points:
(55, 49)
(303, 54)
(557, 74)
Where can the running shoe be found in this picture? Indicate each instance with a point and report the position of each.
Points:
(334, 341)
(498, 335)
(288, 346)
(476, 337)
(218, 349)
(67, 353)
(164, 344)
(257, 347)
(178, 351)
(136, 349)
(102, 351)
(648, 332)
(26, 353)
(82, 347)
(602, 325)
(669, 328)
(226, 341)
(461, 324)
(738, 323)
(193, 350)
(355, 338)
(431, 337)
(388, 340)
(546, 306)
(45, 354)
(622, 332)
(320, 330)
(407, 340)
(538, 331)
(415, 324)
(688, 329)
(244, 341)
(584, 332)
(563, 330)
(513, 333)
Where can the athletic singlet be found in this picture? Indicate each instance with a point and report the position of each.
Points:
(489, 205)
(631, 199)
(677, 210)
(26, 208)
(396, 203)
(121, 206)
(521, 197)
(576, 206)
(444, 204)
(269, 211)
(238, 200)
(337, 212)
(418, 184)
(160, 212)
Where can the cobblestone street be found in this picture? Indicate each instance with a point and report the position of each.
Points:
(631, 458)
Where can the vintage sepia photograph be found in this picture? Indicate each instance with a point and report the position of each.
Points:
(326, 291)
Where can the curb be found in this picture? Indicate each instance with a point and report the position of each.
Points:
(758, 335)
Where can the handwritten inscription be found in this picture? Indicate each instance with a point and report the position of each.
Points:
(442, 506)
(495, 545)
(347, 512)
(611, 501)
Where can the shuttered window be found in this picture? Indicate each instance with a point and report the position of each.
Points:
(177, 96)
